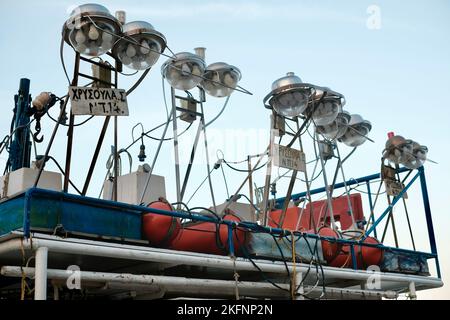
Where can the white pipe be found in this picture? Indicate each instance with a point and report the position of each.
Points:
(197, 287)
(412, 291)
(40, 281)
(298, 283)
(102, 249)
(172, 284)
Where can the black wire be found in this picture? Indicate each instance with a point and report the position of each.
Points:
(243, 195)
(62, 171)
(198, 188)
(168, 139)
(240, 170)
(66, 125)
(247, 256)
(61, 56)
(315, 253)
(209, 210)
(225, 181)
(291, 284)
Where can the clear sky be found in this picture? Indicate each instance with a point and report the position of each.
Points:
(396, 76)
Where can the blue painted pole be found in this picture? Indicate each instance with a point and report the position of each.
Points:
(389, 208)
(20, 150)
(350, 182)
(230, 240)
(426, 204)
(372, 215)
(354, 262)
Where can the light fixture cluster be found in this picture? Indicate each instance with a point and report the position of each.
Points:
(92, 31)
(291, 97)
(186, 71)
(406, 152)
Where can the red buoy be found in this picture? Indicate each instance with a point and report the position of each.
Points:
(365, 256)
(207, 237)
(330, 249)
(159, 229)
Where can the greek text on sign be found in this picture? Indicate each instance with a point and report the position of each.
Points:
(289, 158)
(98, 101)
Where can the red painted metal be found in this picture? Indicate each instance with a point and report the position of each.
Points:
(341, 213)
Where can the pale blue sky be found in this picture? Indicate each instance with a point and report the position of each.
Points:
(396, 77)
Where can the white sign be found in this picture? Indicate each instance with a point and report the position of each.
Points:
(289, 158)
(98, 101)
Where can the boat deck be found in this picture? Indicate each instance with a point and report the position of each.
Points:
(109, 269)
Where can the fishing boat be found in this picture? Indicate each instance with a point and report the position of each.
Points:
(135, 242)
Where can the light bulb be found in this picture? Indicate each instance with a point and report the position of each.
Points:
(107, 42)
(151, 58)
(229, 80)
(136, 65)
(216, 79)
(144, 48)
(131, 51)
(126, 60)
(185, 70)
(81, 47)
(329, 131)
(107, 37)
(196, 71)
(325, 113)
(93, 33)
(80, 37)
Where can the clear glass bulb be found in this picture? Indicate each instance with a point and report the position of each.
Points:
(80, 37)
(290, 104)
(355, 135)
(126, 60)
(196, 71)
(326, 112)
(93, 33)
(144, 48)
(228, 80)
(185, 70)
(329, 131)
(107, 42)
(131, 51)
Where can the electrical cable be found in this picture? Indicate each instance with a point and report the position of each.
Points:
(204, 180)
(242, 170)
(63, 173)
(61, 56)
(220, 113)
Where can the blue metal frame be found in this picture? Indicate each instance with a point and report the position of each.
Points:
(420, 174)
(391, 206)
(426, 204)
(94, 202)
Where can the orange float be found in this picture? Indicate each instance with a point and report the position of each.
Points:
(207, 237)
(160, 229)
(365, 256)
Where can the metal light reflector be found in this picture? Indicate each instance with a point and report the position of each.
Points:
(393, 151)
(91, 30)
(220, 79)
(337, 128)
(414, 155)
(327, 110)
(184, 71)
(356, 132)
(289, 96)
(141, 46)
